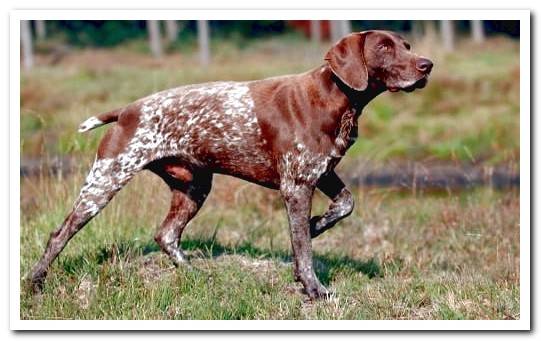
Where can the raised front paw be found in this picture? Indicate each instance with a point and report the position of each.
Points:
(315, 226)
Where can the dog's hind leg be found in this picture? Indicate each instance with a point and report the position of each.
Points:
(105, 179)
(121, 154)
(188, 193)
(341, 206)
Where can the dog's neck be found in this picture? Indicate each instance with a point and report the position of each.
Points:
(342, 97)
(358, 99)
(342, 103)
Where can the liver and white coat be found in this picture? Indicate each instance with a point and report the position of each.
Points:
(285, 133)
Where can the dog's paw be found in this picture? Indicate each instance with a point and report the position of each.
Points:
(35, 282)
(315, 226)
(318, 292)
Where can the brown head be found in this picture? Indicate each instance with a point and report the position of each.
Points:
(378, 58)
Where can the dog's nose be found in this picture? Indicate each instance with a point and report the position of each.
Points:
(424, 65)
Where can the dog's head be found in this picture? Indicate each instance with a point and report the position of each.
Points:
(381, 57)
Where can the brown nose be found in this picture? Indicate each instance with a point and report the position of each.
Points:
(424, 65)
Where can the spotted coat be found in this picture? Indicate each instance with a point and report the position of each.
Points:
(286, 133)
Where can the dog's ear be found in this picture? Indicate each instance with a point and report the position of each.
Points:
(347, 62)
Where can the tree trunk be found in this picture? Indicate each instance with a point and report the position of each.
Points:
(40, 29)
(335, 31)
(315, 31)
(171, 30)
(154, 37)
(447, 35)
(478, 34)
(203, 39)
(26, 42)
(339, 29)
(345, 27)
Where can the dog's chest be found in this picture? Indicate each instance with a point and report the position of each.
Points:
(308, 164)
(347, 133)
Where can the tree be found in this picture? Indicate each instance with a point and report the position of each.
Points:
(40, 29)
(345, 27)
(447, 35)
(334, 31)
(478, 34)
(339, 28)
(315, 31)
(171, 30)
(154, 36)
(203, 40)
(26, 42)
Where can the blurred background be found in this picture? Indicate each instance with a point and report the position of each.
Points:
(435, 172)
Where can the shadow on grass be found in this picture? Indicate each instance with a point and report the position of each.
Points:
(326, 265)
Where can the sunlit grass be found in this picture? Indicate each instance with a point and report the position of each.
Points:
(449, 256)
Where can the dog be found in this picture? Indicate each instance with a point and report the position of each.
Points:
(285, 133)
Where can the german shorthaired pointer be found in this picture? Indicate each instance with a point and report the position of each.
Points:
(285, 133)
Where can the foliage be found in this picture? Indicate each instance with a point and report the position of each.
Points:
(102, 33)
(107, 33)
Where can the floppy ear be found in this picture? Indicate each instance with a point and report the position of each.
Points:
(347, 62)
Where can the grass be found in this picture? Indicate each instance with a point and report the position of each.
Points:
(452, 255)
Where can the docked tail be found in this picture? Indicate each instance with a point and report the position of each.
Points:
(99, 120)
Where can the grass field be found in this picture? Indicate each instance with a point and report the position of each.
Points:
(400, 255)
(452, 256)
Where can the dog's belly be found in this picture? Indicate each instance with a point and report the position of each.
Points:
(251, 164)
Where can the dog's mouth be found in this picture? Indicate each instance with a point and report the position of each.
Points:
(418, 84)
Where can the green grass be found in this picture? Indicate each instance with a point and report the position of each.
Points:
(452, 256)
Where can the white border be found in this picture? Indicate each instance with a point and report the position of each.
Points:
(523, 15)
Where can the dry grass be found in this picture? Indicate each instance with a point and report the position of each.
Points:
(453, 256)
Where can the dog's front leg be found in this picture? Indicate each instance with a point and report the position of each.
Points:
(341, 206)
(298, 201)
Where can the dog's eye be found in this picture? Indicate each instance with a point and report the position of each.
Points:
(407, 46)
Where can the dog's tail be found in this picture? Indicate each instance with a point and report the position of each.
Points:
(99, 120)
